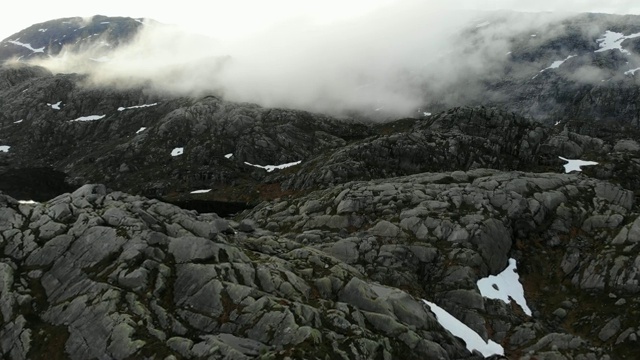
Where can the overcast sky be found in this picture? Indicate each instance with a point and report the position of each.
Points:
(240, 18)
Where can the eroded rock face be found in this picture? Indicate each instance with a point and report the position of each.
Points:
(567, 232)
(107, 275)
(339, 273)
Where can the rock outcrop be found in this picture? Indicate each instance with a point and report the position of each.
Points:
(336, 273)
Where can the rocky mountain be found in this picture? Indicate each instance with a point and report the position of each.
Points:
(580, 67)
(228, 230)
(100, 34)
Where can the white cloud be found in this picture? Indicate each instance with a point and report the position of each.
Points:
(330, 57)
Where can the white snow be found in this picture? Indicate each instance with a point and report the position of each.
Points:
(505, 286)
(4, 148)
(632, 71)
(459, 329)
(89, 118)
(101, 59)
(177, 151)
(42, 30)
(27, 202)
(270, 168)
(426, 113)
(509, 53)
(482, 24)
(534, 35)
(204, 191)
(55, 106)
(136, 107)
(229, 155)
(28, 46)
(556, 64)
(141, 130)
(18, 122)
(613, 40)
(574, 165)
(104, 22)
(557, 123)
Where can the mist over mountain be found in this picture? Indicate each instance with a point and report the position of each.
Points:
(420, 61)
(355, 65)
(413, 183)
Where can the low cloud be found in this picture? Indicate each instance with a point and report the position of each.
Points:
(390, 61)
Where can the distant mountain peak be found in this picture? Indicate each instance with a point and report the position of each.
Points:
(51, 37)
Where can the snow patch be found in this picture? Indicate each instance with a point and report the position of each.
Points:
(270, 168)
(505, 286)
(177, 151)
(28, 202)
(229, 155)
(42, 30)
(204, 191)
(28, 46)
(136, 107)
(574, 164)
(556, 64)
(89, 118)
(632, 71)
(613, 40)
(426, 113)
(18, 122)
(141, 130)
(4, 148)
(459, 329)
(55, 106)
(104, 22)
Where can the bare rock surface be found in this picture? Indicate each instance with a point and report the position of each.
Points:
(104, 274)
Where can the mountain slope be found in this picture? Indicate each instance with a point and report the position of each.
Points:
(100, 34)
(579, 67)
(318, 236)
(323, 280)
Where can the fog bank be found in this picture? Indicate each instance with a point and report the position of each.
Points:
(387, 61)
